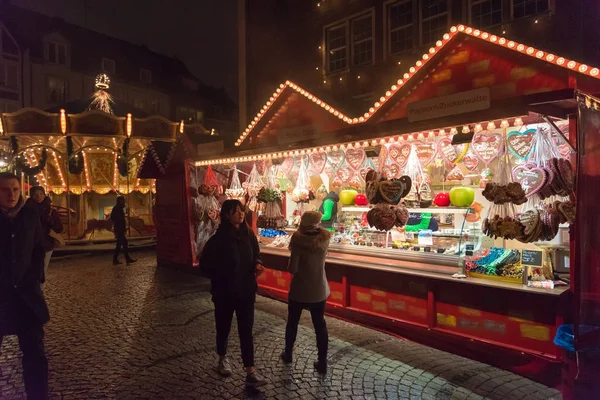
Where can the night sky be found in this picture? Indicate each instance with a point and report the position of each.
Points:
(201, 33)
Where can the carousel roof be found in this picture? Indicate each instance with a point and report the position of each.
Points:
(119, 108)
(414, 77)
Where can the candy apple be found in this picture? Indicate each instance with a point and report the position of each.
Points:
(442, 199)
(361, 200)
(462, 196)
(347, 196)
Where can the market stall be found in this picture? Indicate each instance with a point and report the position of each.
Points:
(85, 159)
(451, 199)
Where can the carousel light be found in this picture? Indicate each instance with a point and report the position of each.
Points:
(518, 121)
(491, 125)
(465, 129)
(102, 82)
(560, 61)
(478, 128)
(504, 124)
(453, 131)
(63, 121)
(442, 132)
(520, 47)
(594, 72)
(583, 68)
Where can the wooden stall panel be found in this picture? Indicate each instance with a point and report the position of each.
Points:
(389, 295)
(520, 320)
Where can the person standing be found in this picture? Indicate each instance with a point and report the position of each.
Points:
(23, 308)
(309, 288)
(231, 258)
(119, 227)
(49, 219)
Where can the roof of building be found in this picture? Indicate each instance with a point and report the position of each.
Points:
(88, 48)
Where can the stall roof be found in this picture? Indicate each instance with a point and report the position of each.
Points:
(557, 76)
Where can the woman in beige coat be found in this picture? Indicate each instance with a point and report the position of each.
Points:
(309, 288)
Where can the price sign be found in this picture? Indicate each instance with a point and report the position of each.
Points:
(532, 258)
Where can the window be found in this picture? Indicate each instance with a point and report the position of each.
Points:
(528, 8)
(190, 115)
(337, 50)
(434, 20)
(362, 40)
(145, 76)
(400, 19)
(486, 13)
(108, 66)
(57, 53)
(57, 90)
(9, 75)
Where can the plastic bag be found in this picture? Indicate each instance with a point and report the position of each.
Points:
(235, 191)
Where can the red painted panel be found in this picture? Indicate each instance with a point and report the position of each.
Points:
(473, 64)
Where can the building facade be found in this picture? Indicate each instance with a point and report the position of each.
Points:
(348, 51)
(47, 63)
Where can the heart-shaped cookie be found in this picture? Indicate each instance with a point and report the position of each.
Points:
(344, 174)
(407, 182)
(486, 146)
(363, 173)
(336, 158)
(399, 153)
(531, 178)
(355, 157)
(470, 161)
(391, 191)
(316, 162)
(452, 153)
(520, 144)
(426, 151)
(390, 171)
(286, 166)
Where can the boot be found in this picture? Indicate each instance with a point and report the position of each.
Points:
(130, 260)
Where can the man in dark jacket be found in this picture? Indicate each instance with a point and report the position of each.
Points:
(49, 219)
(23, 309)
(119, 227)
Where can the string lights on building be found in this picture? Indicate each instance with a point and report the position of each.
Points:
(446, 38)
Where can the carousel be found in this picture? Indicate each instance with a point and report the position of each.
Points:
(85, 155)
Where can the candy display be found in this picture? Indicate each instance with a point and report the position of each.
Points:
(384, 218)
(498, 262)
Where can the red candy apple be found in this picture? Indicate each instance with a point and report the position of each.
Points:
(442, 199)
(361, 200)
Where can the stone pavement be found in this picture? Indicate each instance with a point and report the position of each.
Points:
(145, 333)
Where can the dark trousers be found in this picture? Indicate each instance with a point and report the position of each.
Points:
(30, 333)
(317, 313)
(244, 312)
(121, 243)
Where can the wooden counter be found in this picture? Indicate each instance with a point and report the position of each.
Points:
(508, 325)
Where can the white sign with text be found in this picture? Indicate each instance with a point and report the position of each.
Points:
(459, 103)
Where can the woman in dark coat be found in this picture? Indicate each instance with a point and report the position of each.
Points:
(48, 217)
(231, 258)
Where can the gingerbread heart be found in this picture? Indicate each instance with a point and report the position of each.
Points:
(407, 182)
(486, 146)
(390, 171)
(355, 157)
(531, 178)
(363, 173)
(452, 153)
(286, 166)
(520, 144)
(344, 174)
(470, 161)
(336, 158)
(399, 153)
(316, 162)
(426, 151)
(391, 191)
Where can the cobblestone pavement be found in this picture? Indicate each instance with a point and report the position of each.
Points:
(142, 332)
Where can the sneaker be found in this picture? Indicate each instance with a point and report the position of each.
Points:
(254, 380)
(224, 367)
(321, 366)
(286, 357)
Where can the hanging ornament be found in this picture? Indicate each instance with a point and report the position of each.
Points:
(101, 99)
(235, 191)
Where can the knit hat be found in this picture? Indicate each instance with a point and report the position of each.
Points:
(310, 218)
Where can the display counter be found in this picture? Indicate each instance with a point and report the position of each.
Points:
(416, 297)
